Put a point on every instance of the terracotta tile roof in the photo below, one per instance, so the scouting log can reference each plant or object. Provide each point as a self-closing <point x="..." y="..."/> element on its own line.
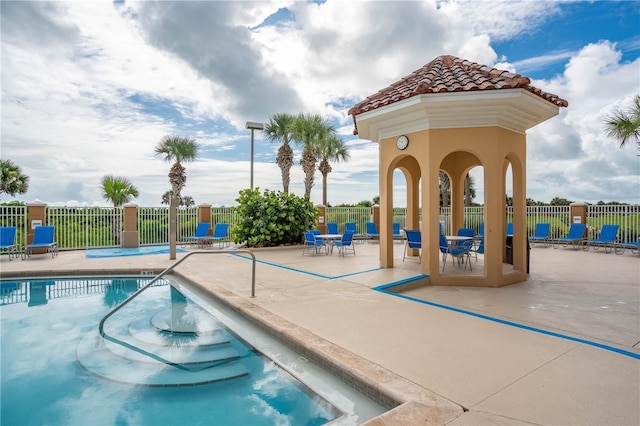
<point x="450" y="74"/>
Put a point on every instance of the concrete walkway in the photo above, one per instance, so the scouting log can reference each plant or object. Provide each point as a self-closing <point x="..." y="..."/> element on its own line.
<point x="561" y="348"/>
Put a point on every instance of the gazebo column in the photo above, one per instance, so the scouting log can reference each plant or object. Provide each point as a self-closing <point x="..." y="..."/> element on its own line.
<point x="494" y="220"/>
<point x="386" y="215"/>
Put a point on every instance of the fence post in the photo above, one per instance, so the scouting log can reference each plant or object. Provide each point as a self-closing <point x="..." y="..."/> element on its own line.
<point x="322" y="219"/>
<point x="130" y="237"/>
<point x="204" y="215"/>
<point x="37" y="214"/>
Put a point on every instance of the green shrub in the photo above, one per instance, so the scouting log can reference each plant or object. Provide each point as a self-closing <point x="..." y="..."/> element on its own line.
<point x="272" y="219"/>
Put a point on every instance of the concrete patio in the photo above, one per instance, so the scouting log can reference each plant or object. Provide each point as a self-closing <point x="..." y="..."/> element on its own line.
<point x="560" y="348"/>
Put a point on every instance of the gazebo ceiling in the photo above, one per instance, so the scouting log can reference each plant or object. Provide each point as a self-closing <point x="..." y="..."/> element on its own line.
<point x="450" y="92"/>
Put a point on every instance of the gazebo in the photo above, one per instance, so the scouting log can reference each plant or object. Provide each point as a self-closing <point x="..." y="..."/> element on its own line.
<point x="453" y="115"/>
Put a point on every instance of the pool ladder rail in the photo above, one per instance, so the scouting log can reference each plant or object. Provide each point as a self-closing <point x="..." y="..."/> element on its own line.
<point x="223" y="359"/>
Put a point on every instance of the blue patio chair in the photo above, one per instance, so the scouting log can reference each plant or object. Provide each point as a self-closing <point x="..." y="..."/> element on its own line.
<point x="457" y="252"/>
<point x="606" y="238"/>
<point x="311" y="243"/>
<point x="413" y="241"/>
<point x="397" y="235"/>
<point x="480" y="240"/>
<point x="345" y="243"/>
<point x="42" y="239"/>
<point x="332" y="228"/>
<point x="202" y="231"/>
<point x="372" y="230"/>
<point x="574" y="237"/>
<point x="8" y="241"/>
<point x="542" y="234"/>
<point x="219" y="234"/>
<point x="468" y="232"/>
<point x="510" y="228"/>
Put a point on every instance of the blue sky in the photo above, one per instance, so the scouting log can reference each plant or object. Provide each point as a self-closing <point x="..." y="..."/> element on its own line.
<point x="89" y="88"/>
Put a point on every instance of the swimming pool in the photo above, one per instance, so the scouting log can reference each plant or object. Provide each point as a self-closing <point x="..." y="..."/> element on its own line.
<point x="53" y="369"/>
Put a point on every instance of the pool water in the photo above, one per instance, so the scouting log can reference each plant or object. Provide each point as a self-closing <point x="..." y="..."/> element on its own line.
<point x="98" y="253"/>
<point x="57" y="371"/>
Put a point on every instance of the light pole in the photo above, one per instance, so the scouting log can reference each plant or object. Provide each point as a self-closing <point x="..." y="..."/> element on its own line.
<point x="253" y="126"/>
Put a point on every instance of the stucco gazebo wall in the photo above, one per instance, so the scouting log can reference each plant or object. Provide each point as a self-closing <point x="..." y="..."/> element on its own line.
<point x="456" y="151"/>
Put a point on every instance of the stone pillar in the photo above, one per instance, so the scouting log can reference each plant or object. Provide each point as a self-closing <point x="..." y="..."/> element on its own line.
<point x="37" y="214"/>
<point x="204" y="215"/>
<point x="375" y="216"/>
<point x="322" y="219"/>
<point x="130" y="236"/>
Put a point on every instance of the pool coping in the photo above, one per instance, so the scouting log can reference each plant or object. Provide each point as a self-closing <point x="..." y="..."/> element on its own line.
<point x="406" y="401"/>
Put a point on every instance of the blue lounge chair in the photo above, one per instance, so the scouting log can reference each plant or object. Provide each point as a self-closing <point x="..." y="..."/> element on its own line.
<point x="372" y="230"/>
<point x="202" y="231"/>
<point x="42" y="239"/>
<point x="219" y="234"/>
<point x="8" y="241"/>
<point x="332" y="228"/>
<point x="345" y="243"/>
<point x="634" y="246"/>
<point x="574" y="237"/>
<point x="413" y="241"/>
<point x="542" y="234"/>
<point x="397" y="235"/>
<point x="311" y="243"/>
<point x="509" y="228"/>
<point x="607" y="238"/>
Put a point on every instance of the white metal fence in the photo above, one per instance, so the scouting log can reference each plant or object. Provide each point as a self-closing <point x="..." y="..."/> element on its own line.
<point x="82" y="227"/>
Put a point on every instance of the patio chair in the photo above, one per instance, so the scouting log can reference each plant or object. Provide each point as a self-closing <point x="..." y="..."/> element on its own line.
<point x="311" y="243"/>
<point x="457" y="251"/>
<point x="372" y="231"/>
<point x="202" y="231"/>
<point x="468" y="232"/>
<point x="510" y="228"/>
<point x="574" y="237"/>
<point x="413" y="241"/>
<point x="8" y="241"/>
<point x="345" y="243"/>
<point x="542" y="234"/>
<point x="42" y="239"/>
<point x="332" y="228"/>
<point x="397" y="235"/>
<point x="606" y="238"/>
<point x="219" y="234"/>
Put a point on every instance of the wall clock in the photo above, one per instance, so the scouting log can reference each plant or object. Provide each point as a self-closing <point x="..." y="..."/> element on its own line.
<point x="402" y="142"/>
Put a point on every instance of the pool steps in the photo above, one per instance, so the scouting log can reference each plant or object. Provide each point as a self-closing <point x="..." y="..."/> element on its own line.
<point x="178" y="345"/>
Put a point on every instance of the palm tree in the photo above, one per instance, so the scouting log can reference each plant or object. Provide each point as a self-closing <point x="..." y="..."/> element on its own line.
<point x="330" y="149"/>
<point x="307" y="130"/>
<point x="625" y="125"/>
<point x="12" y="181"/>
<point x="119" y="190"/>
<point x="186" y="201"/>
<point x="180" y="149"/>
<point x="278" y="130"/>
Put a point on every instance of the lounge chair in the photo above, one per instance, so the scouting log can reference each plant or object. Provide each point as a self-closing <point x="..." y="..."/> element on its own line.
<point x="345" y="243"/>
<point x="8" y="241"/>
<point x="574" y="237"/>
<point x="634" y="246"/>
<point x="311" y="243"/>
<point x="202" y="231"/>
<point x="606" y="238"/>
<point x="372" y="231"/>
<point x="397" y="235"/>
<point x="351" y="226"/>
<point x="509" y="228"/>
<point x="413" y="241"/>
<point x="42" y="239"/>
<point x="332" y="228"/>
<point x="457" y="251"/>
<point x="219" y="234"/>
<point x="542" y="234"/>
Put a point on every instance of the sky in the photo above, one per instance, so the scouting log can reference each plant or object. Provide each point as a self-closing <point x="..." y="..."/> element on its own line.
<point x="89" y="88"/>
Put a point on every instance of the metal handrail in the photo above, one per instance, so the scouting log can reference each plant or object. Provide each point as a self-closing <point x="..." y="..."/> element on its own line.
<point x="171" y="268"/>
